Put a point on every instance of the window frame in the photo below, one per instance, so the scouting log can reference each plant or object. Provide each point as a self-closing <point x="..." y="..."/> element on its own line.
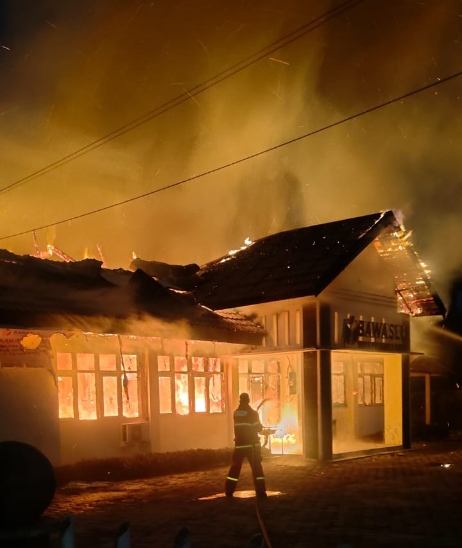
<point x="263" y="371"/>
<point x="99" y="374"/>
<point x="373" y="378"/>
<point x="208" y="373"/>
<point x="338" y="380"/>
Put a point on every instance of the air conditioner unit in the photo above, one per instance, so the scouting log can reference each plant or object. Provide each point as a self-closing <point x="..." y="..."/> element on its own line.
<point x="135" y="431"/>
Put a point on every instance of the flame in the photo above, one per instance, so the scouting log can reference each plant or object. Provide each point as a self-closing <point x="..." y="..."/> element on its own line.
<point x="181" y="394"/>
<point x="286" y="438"/>
<point x="247" y="243"/>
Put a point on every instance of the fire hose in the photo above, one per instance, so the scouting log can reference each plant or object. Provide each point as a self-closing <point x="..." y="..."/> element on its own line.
<point x="264" y="532"/>
<point x="264" y="400"/>
<point x="266" y="543"/>
<point x="266" y="540"/>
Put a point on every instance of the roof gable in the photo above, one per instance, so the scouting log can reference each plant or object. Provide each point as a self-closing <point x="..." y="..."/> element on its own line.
<point x="290" y="264"/>
<point x="303" y="262"/>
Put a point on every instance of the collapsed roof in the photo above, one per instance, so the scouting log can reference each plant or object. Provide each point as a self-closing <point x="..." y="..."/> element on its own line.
<point x="303" y="262"/>
<point x="81" y="295"/>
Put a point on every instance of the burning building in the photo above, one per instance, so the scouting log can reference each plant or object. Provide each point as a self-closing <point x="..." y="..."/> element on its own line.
<point x="98" y="363"/>
<point x="314" y="323"/>
<point x="336" y="300"/>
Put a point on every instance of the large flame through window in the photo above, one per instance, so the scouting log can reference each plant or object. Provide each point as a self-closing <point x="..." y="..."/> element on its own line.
<point x="189" y="385"/>
<point x="272" y="387"/>
<point x="92" y="386"/>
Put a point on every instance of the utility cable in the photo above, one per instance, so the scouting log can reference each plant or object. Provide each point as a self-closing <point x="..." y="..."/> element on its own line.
<point x="245" y="158"/>
<point x="189" y="94"/>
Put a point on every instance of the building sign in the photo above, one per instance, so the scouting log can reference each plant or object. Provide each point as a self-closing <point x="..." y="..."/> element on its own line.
<point x="370" y="334"/>
<point x="22" y="348"/>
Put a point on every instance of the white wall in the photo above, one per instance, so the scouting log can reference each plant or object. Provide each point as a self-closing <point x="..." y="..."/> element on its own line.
<point x="195" y="431"/>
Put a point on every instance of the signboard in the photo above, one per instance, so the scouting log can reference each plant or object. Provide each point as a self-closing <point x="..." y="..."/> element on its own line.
<point x="359" y="333"/>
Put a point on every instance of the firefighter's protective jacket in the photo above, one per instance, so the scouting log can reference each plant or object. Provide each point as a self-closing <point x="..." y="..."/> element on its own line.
<point x="246" y="426"/>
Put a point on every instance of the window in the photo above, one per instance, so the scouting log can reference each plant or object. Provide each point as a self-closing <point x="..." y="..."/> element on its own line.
<point x="262" y="380"/>
<point x="181" y="386"/>
<point x="338" y="384"/>
<point x="92" y="386"/>
<point x="194" y="385"/>
<point x="65" y="386"/>
<point x="370" y="383"/>
<point x="86" y="386"/>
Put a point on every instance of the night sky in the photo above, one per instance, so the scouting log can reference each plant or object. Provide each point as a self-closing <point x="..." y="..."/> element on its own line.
<point x="74" y="72"/>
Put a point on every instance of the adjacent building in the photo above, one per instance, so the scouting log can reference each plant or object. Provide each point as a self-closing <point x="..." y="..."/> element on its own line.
<point x="97" y="363"/>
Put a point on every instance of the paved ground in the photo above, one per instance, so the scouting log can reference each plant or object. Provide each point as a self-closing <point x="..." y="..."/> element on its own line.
<point x="403" y="499"/>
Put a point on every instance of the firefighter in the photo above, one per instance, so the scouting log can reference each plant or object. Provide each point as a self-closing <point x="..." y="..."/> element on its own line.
<point x="246" y="445"/>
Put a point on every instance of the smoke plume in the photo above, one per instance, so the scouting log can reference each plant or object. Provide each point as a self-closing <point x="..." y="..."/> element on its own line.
<point x="73" y="72"/>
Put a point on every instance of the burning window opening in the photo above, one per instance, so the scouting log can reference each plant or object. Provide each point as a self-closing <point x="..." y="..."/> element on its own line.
<point x="286" y="439"/>
<point x="275" y="400"/>
<point x="91" y="386"/>
<point x="177" y="374"/>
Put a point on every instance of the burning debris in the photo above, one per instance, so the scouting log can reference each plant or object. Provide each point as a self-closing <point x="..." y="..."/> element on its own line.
<point x="412" y="276"/>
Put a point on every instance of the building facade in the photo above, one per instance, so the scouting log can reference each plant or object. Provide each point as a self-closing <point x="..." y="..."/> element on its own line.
<point x="332" y="376"/>
<point x="314" y="323"/>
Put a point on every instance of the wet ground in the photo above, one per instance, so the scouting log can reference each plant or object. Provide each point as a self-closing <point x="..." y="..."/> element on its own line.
<point x="403" y="499"/>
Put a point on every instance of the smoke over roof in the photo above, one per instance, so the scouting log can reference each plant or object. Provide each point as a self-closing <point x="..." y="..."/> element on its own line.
<point x="81" y="296"/>
<point x="72" y="74"/>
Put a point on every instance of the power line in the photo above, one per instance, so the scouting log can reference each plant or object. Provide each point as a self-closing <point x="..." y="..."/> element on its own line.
<point x="242" y="160"/>
<point x="189" y="94"/>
